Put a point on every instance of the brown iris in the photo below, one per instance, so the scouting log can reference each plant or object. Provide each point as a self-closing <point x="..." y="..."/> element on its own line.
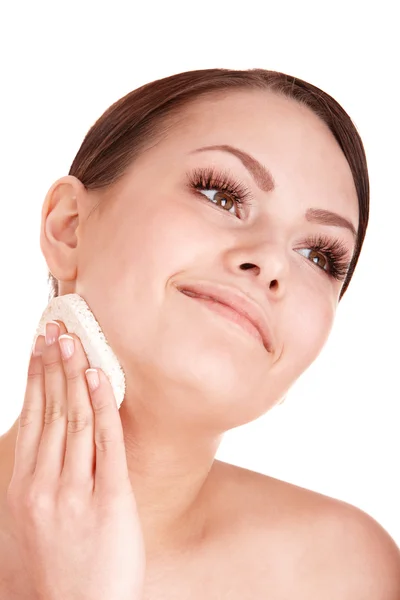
<point x="315" y="254"/>
<point x="223" y="200"/>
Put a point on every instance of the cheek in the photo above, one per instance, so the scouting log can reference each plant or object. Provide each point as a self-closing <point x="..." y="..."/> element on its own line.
<point x="154" y="240"/>
<point x="160" y="242"/>
<point x="129" y="262"/>
<point x="309" y="330"/>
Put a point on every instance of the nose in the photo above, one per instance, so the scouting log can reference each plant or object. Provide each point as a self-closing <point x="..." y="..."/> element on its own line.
<point x="267" y="263"/>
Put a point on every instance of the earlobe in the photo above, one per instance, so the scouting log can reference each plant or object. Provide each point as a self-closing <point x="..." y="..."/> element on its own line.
<point x="60" y="220"/>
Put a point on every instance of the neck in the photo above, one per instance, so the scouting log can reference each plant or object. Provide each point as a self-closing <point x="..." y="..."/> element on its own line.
<point x="172" y="477"/>
<point x="172" y="472"/>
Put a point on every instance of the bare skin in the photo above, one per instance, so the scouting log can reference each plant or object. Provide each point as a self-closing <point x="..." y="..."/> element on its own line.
<point x="213" y="530"/>
<point x="266" y="539"/>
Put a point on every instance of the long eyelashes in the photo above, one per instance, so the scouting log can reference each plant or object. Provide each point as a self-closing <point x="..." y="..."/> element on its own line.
<point x="210" y="178"/>
<point x="333" y="251"/>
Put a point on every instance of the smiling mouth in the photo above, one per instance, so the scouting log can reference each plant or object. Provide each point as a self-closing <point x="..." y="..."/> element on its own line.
<point x="227" y="312"/>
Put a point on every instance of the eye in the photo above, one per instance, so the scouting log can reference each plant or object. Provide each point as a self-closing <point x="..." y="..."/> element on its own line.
<point x="221" y="188"/>
<point x="317" y="258"/>
<point x="329" y="255"/>
<point x="222" y="199"/>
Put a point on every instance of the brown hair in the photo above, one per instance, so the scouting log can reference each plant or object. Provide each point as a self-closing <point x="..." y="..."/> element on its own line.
<point x="132" y="123"/>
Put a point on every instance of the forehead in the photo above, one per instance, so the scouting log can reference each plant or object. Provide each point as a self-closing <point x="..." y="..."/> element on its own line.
<point x="288" y="138"/>
<point x="295" y="145"/>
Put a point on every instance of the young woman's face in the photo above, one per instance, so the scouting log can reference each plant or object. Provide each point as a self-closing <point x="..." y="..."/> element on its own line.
<point x="156" y="233"/>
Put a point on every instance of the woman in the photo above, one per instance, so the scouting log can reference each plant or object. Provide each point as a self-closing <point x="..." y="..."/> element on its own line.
<point x="251" y="188"/>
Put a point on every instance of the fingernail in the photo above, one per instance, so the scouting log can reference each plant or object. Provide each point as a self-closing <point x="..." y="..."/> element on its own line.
<point x="52" y="332"/>
<point x="67" y="346"/>
<point x="92" y="378"/>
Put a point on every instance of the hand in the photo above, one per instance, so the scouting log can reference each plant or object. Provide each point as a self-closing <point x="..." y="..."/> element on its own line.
<point x="70" y="495"/>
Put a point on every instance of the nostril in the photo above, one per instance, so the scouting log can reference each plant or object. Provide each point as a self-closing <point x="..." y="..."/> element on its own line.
<point x="273" y="284"/>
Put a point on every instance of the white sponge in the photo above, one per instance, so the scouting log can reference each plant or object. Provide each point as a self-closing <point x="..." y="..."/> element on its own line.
<point x="73" y="311"/>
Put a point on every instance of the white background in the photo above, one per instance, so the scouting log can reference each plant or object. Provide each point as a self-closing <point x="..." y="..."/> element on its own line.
<point x="63" y="64"/>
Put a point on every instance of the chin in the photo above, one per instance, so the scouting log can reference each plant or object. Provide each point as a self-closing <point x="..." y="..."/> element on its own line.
<point x="214" y="380"/>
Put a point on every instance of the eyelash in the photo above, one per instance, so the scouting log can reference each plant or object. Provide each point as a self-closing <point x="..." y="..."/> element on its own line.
<point x="209" y="179"/>
<point x="221" y="181"/>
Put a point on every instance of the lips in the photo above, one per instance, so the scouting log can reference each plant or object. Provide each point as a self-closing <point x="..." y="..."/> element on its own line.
<point x="235" y="300"/>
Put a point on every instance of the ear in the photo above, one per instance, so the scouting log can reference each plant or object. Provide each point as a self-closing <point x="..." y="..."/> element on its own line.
<point x="60" y="221"/>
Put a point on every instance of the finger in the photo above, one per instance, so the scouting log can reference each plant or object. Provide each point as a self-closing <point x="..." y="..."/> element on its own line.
<point x="31" y="418"/>
<point x="51" y="452"/>
<point x="80" y="455"/>
<point x="111" y="473"/>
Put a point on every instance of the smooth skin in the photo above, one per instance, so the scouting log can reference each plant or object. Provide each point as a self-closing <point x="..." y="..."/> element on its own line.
<point x="191" y="375"/>
<point x="70" y="495"/>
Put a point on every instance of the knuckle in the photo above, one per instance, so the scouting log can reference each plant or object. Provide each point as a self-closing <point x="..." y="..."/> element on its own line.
<point x="72" y="375"/>
<point x="52" y="366"/>
<point x="53" y="412"/>
<point x="77" y="421"/>
<point x="28" y="415"/>
<point x="38" y="501"/>
<point x="102" y="404"/>
<point x="72" y="504"/>
<point x="104" y="439"/>
<point x="34" y="373"/>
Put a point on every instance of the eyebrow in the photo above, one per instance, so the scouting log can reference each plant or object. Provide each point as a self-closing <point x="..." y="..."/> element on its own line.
<point x="261" y="175"/>
<point x="326" y="217"/>
<point x="266" y="183"/>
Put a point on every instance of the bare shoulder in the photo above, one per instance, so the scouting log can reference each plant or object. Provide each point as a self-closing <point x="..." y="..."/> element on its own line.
<point x="324" y="543"/>
<point x="361" y="550"/>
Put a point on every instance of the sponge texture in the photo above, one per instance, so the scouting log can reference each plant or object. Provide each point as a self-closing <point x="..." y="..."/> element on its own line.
<point x="73" y="311"/>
